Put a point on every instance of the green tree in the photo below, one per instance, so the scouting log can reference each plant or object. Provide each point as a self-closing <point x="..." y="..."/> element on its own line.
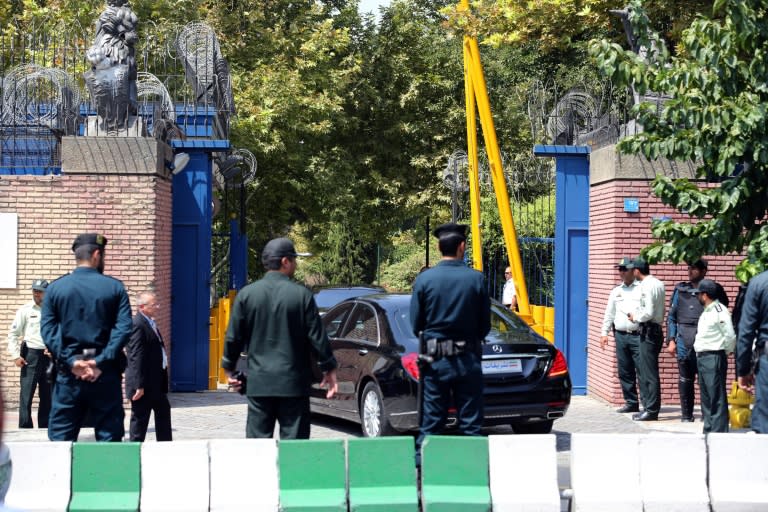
<point x="716" y="118"/>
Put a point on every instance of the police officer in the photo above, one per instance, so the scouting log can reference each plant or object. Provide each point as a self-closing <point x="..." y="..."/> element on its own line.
<point x="684" y="311"/>
<point x="28" y="352"/>
<point x="450" y="307"/>
<point x="276" y="320"/>
<point x="624" y="299"/>
<point x="715" y="339"/>
<point x="649" y="315"/>
<point x="86" y="322"/>
<point x="751" y="349"/>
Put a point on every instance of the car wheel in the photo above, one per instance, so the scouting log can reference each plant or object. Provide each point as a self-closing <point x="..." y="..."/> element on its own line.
<point x="373" y="417"/>
<point x="538" y="427"/>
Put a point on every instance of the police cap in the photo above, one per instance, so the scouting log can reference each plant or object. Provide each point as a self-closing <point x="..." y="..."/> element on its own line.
<point x="39" y="285"/>
<point x="89" y="239"/>
<point x="707" y="286"/>
<point x="278" y="248"/>
<point x="624" y="262"/>
<point x="638" y="262"/>
<point x="451" y="229"/>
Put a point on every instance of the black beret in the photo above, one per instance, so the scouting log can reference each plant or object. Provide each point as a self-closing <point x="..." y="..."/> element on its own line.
<point x="451" y="229"/>
<point x="89" y="239"/>
<point x="278" y="248"/>
<point x="700" y="264"/>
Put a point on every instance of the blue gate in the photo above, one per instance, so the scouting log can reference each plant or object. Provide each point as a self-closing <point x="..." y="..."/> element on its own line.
<point x="571" y="256"/>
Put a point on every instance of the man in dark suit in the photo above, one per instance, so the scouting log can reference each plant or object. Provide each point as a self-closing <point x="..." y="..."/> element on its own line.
<point x="146" y="377"/>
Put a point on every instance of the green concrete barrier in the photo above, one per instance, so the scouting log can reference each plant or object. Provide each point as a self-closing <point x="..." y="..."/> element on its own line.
<point x="382" y="475"/>
<point x="105" y="477"/>
<point x="313" y="476"/>
<point x="454" y="474"/>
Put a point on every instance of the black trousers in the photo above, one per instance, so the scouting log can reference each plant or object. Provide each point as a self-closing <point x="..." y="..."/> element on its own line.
<point x="650" y="386"/>
<point x="628" y="361"/>
<point x="713" y="369"/>
<point x="33" y="376"/>
<point x="140" y="411"/>
<point x="292" y="412"/>
<point x="75" y="399"/>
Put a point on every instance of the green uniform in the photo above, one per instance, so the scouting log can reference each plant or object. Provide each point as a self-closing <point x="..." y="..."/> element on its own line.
<point x="276" y="321"/>
<point x="715" y="339"/>
<point x="650" y="315"/>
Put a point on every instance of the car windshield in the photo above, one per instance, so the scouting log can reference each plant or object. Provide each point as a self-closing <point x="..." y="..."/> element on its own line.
<point x="506" y="327"/>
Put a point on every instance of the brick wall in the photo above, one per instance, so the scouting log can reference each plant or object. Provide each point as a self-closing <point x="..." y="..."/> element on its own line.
<point x="614" y="233"/>
<point x="133" y="212"/>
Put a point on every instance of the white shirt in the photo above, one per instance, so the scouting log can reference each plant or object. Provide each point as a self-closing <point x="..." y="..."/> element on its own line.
<point x="715" y="329"/>
<point x="26" y="327"/>
<point x="509" y="292"/>
<point x="652" y="303"/>
<point x="622" y="300"/>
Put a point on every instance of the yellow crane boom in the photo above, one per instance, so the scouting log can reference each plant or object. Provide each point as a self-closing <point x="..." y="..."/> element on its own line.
<point x="476" y="95"/>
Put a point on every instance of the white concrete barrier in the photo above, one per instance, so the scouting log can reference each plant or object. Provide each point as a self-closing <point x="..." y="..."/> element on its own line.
<point x="42" y="474"/>
<point x="174" y="476"/>
<point x="523" y="473"/>
<point x="244" y="475"/>
<point x="605" y="472"/>
<point x="673" y="473"/>
<point x="738" y="472"/>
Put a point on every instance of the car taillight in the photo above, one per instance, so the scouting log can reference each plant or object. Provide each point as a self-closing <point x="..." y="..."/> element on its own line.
<point x="410" y="364"/>
<point x="559" y="366"/>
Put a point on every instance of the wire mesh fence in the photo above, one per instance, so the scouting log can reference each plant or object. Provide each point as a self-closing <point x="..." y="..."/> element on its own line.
<point x="182" y="77"/>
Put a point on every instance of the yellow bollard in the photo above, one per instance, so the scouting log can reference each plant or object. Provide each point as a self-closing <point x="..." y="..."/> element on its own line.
<point x="549" y="324"/>
<point x="739" y="412"/>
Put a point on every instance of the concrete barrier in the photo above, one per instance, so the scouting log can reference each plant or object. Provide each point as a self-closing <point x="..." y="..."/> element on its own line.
<point x="174" y="477"/>
<point x="454" y="474"/>
<point x="652" y="472"/>
<point x="382" y="475"/>
<point x="523" y="473"/>
<point x="243" y="475"/>
<point x="673" y="473"/>
<point x="605" y="472"/>
<point x="42" y="473"/>
<point x="738" y="472"/>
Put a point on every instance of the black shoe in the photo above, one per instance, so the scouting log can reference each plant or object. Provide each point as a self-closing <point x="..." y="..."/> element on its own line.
<point x="645" y="416"/>
<point x="688" y="419"/>
<point x="628" y="408"/>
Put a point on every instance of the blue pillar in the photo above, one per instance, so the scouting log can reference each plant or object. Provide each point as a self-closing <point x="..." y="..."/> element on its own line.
<point x="571" y="256"/>
<point x="238" y="256"/>
<point x="191" y="265"/>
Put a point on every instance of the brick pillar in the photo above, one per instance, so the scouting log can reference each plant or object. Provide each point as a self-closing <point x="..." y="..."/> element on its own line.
<point x="114" y="186"/>
<point x="614" y="233"/>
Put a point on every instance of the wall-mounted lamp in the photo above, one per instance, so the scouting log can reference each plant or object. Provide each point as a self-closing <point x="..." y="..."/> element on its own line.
<point x="180" y="161"/>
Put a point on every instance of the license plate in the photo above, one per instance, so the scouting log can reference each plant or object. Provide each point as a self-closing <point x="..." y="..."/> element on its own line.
<point x="502" y="366"/>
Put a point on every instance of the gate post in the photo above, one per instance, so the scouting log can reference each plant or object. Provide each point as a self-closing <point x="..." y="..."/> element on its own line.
<point x="571" y="256"/>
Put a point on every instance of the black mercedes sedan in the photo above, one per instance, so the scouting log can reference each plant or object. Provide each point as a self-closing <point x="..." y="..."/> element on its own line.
<point x="527" y="384"/>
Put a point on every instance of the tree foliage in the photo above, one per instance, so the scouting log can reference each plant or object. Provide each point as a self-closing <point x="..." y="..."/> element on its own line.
<point x="558" y="25"/>
<point x="716" y="118"/>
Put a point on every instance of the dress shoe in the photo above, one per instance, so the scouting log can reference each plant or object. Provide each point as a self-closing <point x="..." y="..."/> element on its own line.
<point x="688" y="419"/>
<point x="628" y="408"/>
<point x="645" y="416"/>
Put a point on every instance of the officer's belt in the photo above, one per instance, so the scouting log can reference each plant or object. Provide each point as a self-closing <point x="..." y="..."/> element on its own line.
<point x="628" y="333"/>
<point x="710" y="353"/>
<point x="445" y="347"/>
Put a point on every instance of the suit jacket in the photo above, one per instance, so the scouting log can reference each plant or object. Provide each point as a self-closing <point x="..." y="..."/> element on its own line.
<point x="145" y="360"/>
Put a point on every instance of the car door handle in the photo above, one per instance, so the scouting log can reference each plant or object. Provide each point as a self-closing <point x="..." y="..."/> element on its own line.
<point x="362" y="351"/>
